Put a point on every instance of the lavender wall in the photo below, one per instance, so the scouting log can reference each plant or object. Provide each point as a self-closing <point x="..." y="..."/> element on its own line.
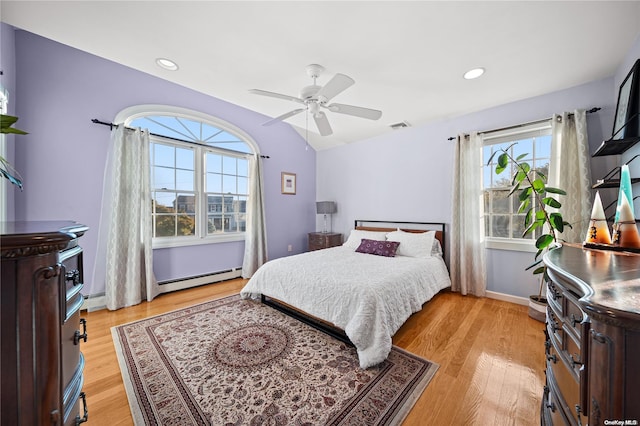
<point x="8" y="83"/>
<point x="406" y="174"/>
<point x="62" y="159"/>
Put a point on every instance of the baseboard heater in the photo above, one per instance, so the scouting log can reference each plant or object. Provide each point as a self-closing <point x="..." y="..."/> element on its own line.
<point x="213" y="277"/>
<point x="98" y="301"/>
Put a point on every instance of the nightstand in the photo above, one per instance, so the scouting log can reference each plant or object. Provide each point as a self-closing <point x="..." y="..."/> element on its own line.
<point x="323" y="240"/>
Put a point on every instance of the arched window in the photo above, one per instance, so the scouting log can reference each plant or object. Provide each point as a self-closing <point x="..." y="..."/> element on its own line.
<point x="199" y="175"/>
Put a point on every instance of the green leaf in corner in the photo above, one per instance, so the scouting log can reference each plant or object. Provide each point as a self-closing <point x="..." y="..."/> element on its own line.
<point x="543" y="241"/>
<point x="6" y="121"/>
<point x="556" y="221"/>
<point x="551" y="202"/>
<point x="521" y="156"/>
<point x="503" y="162"/>
<point x="555" y="190"/>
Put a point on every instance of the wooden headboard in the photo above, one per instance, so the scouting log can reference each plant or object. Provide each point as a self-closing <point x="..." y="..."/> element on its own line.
<point x="417" y="227"/>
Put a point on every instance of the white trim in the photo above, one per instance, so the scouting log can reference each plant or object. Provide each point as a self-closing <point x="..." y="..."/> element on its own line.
<point x="528" y="246"/>
<point x="166" y="242"/>
<point x="518" y="300"/>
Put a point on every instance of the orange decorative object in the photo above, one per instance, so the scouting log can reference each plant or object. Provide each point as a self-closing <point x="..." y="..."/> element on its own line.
<point x="598" y="232"/>
<point x="625" y="232"/>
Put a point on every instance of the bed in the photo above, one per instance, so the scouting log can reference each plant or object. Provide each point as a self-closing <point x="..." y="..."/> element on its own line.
<point x="363" y="290"/>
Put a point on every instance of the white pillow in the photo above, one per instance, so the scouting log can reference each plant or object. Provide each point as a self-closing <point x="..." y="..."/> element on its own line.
<point x="413" y="244"/>
<point x="356" y="236"/>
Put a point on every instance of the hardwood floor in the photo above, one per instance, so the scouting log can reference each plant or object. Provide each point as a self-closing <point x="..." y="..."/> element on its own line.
<point x="491" y="357"/>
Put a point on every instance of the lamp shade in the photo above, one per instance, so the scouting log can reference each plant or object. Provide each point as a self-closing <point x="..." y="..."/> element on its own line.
<point x="325" y="207"/>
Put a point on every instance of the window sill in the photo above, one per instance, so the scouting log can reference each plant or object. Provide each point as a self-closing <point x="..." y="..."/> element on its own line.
<point x="512" y="245"/>
<point x="160" y="243"/>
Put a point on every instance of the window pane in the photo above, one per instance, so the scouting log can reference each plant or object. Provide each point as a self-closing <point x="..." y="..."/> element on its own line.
<point x="243" y="167"/>
<point x="184" y="159"/>
<point x="186" y="225"/>
<point x="163" y="178"/>
<point x="229" y="165"/>
<point x="165" y="226"/>
<point x="214" y="182"/>
<point x="186" y="203"/>
<point x="524" y="146"/>
<point x="500" y="226"/>
<point x="228" y="184"/>
<point x="164" y="202"/>
<point x="500" y="201"/>
<point x="184" y="180"/>
<point x="163" y="155"/>
<point x="214" y="163"/>
<point x="214" y="224"/>
<point x="243" y="185"/>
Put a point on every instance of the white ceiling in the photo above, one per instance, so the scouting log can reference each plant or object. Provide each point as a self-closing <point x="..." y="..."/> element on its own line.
<point x="407" y="58"/>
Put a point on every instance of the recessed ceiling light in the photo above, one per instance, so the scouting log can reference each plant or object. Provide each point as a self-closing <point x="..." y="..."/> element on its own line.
<point x="167" y="64"/>
<point x="474" y="73"/>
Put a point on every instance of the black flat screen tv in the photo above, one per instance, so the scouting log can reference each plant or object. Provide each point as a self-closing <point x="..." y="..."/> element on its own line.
<point x="626" y="123"/>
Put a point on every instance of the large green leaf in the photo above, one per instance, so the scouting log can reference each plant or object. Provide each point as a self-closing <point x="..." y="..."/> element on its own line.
<point x="555" y="190"/>
<point x="543" y="241"/>
<point x="503" y="162"/>
<point x="538" y="185"/>
<point x="556" y="221"/>
<point x="525" y="193"/>
<point x="6" y="121"/>
<point x="551" y="202"/>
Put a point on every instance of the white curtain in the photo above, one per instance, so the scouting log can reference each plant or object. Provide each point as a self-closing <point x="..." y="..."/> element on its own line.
<point x="570" y="170"/>
<point x="468" y="265"/>
<point x="124" y="259"/>
<point x="255" y="245"/>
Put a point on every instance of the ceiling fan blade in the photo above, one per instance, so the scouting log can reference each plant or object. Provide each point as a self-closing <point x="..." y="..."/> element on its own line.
<point x="371" y="114"/>
<point x="336" y="85"/>
<point x="276" y="95"/>
<point x="323" y="123"/>
<point x="283" y="116"/>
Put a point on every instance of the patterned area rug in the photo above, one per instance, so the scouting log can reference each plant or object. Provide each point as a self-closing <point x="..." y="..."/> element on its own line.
<point x="239" y="362"/>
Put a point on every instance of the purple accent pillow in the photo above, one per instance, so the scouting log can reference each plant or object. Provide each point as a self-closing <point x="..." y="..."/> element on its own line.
<point x="379" y="248"/>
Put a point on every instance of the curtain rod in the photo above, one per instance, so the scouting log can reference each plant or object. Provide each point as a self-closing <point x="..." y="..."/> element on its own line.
<point x="515" y="126"/>
<point x="112" y="125"/>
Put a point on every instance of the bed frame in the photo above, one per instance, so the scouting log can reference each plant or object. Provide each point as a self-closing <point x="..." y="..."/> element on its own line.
<point x="365" y="225"/>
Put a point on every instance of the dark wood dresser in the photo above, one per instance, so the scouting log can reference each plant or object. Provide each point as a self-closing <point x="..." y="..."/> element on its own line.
<point x="593" y="338"/>
<point x="41" y="366"/>
<point x="323" y="240"/>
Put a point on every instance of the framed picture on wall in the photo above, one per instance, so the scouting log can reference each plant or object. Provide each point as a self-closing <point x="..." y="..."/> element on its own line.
<point x="288" y="183"/>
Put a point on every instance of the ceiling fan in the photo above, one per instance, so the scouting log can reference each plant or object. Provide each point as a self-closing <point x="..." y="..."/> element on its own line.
<point x="314" y="97"/>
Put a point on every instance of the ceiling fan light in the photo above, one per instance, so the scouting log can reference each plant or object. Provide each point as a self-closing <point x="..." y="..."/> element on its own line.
<point x="167" y="64"/>
<point x="474" y="73"/>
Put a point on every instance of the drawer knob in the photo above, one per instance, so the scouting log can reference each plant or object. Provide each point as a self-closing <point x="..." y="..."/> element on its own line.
<point x="74" y="276"/>
<point x="575" y="361"/>
<point x="551" y="406"/>
<point x="77" y="336"/>
<point x="575" y="321"/>
<point x="552" y="358"/>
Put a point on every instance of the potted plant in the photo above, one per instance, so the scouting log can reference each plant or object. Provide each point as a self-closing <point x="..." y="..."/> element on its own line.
<point x="6" y="169"/>
<point x="540" y="206"/>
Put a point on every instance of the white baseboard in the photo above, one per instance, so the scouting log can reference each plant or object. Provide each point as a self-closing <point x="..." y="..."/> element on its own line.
<point x="97" y="302"/>
<point x="508" y="298"/>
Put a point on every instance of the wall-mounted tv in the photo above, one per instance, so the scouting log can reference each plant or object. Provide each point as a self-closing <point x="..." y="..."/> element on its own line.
<point x="626" y="123"/>
<point x="627" y="118"/>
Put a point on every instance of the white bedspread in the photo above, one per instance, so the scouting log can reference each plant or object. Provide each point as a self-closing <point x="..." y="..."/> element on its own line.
<point x="367" y="296"/>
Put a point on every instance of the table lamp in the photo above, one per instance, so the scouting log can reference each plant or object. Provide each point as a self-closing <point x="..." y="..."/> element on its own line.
<point x="325" y="208"/>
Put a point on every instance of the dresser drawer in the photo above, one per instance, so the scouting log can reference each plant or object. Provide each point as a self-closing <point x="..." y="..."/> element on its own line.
<point x="573" y="315"/>
<point x="566" y="382"/>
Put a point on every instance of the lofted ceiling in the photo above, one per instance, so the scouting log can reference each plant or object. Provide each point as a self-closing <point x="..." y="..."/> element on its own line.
<point x="407" y="58"/>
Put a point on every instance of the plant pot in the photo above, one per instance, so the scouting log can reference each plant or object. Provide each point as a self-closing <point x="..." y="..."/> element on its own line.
<point x="538" y="307"/>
